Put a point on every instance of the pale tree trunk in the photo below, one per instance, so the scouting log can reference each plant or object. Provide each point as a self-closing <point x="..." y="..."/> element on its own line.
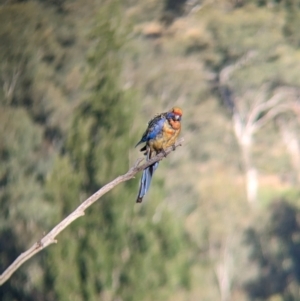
<point x="250" y="170"/>
<point x="223" y="269"/>
<point x="244" y="136"/>
<point x="252" y="185"/>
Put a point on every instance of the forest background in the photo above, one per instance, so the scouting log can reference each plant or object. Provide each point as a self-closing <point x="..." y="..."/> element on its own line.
<point x="79" y="79"/>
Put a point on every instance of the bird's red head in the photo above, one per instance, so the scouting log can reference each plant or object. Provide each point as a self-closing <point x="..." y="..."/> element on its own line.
<point x="177" y="112"/>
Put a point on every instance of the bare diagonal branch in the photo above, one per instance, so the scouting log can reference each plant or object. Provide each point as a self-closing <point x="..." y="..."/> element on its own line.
<point x="49" y="238"/>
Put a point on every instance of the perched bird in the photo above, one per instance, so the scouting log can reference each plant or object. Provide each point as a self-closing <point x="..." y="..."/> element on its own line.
<point x="161" y="133"/>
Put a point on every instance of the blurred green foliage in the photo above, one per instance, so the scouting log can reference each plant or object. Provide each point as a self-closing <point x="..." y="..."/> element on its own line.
<point x="274" y="246"/>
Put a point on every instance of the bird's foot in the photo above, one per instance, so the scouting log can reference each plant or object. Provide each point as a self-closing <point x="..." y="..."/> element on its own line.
<point x="164" y="153"/>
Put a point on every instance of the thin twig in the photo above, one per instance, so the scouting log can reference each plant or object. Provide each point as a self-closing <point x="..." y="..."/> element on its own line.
<point x="49" y="238"/>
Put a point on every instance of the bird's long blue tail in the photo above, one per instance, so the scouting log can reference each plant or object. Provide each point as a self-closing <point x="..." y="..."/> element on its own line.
<point x="146" y="181"/>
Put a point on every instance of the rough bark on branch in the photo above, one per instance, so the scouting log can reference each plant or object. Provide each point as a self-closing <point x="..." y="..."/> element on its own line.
<point x="49" y="238"/>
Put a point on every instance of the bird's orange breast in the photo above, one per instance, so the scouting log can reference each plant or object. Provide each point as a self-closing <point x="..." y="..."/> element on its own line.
<point x="176" y="125"/>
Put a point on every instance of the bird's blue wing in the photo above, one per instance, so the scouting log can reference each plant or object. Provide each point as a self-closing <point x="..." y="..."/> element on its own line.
<point x="154" y="128"/>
